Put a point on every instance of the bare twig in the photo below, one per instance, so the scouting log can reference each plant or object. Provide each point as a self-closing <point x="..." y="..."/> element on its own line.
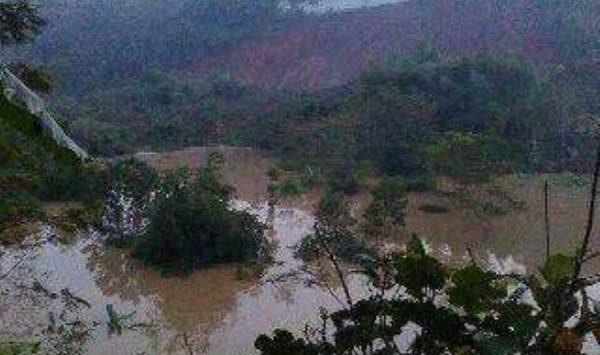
<point x="321" y="279"/>
<point x="581" y="253"/>
<point x="70" y="297"/>
<point x="340" y="274"/>
<point x="546" y="220"/>
<point x="13" y="268"/>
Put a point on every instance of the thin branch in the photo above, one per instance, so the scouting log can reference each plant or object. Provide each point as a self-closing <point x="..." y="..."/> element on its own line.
<point x="322" y="279"/>
<point x="581" y="253"/>
<point x="12" y="268"/>
<point x="340" y="274"/>
<point x="546" y="220"/>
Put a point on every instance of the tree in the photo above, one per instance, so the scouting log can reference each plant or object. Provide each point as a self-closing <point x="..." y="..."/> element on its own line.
<point x="468" y="310"/>
<point x="128" y="186"/>
<point x="385" y="215"/>
<point x="190" y="224"/>
<point x="334" y="240"/>
<point x="461" y="156"/>
<point x="19" y="22"/>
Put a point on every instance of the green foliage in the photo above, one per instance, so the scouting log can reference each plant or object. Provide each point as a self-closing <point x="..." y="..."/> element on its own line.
<point x="78" y="182"/>
<point x="488" y="200"/>
<point x="334" y="233"/>
<point x="14" y="348"/>
<point x="451" y="117"/>
<point x="33" y="168"/>
<point x="433" y="208"/>
<point x="132" y="176"/>
<point x="284" y="343"/>
<point x="421" y="183"/>
<point x="17" y="206"/>
<point x="288" y="188"/>
<point x="191" y="225"/>
<point x="462" y="311"/>
<point x="386" y="213"/>
<point x="347" y="246"/>
<point x="474" y="289"/>
<point x="128" y="188"/>
<point x="420" y="273"/>
<point x="19" y="22"/>
<point x="558" y="268"/>
<point x="462" y="156"/>
<point x="37" y="79"/>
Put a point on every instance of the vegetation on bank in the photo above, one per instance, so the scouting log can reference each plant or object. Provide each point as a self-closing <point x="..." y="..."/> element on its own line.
<point x="173" y="222"/>
<point x="181" y="221"/>
<point x="34" y="169"/>
<point x="428" y="115"/>
<point x="418" y="305"/>
<point x="12" y="348"/>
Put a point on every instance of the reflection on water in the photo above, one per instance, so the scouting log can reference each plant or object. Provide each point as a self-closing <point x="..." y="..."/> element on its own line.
<point x="210" y="311"/>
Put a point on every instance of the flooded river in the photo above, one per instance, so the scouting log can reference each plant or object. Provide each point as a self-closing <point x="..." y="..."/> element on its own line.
<point x="211" y="311"/>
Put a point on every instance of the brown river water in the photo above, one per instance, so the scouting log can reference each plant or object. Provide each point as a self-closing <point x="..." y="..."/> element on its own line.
<point x="211" y="311"/>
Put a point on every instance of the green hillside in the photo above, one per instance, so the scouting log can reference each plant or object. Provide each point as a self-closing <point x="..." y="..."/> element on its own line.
<point x="33" y="168"/>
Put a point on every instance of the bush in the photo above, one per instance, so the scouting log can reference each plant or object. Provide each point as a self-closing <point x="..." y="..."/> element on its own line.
<point x="345" y="181"/>
<point x="17" y="206"/>
<point x="347" y="246"/>
<point x="289" y="188"/>
<point x="418" y="184"/>
<point x="333" y="233"/>
<point x="432" y="208"/>
<point x="19" y="348"/>
<point x="493" y="201"/>
<point x="190" y="225"/>
<point x="72" y="183"/>
<point x="481" y="313"/>
<point x="186" y="232"/>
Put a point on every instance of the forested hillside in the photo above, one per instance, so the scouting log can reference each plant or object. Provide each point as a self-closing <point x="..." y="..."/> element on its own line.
<point x="186" y="73"/>
<point x="34" y="168"/>
<point x="416" y="177"/>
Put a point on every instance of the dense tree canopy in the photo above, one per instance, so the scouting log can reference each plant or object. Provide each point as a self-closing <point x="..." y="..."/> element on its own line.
<point x="19" y="21"/>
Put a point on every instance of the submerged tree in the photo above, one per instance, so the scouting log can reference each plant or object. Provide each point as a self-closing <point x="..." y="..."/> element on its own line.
<point x="190" y="223"/>
<point x="469" y="310"/>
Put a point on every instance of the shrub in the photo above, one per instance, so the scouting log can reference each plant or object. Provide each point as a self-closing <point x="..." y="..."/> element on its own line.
<point x="333" y="233"/>
<point x="17" y="206"/>
<point x="75" y="183"/>
<point x="19" y="348"/>
<point x="418" y="184"/>
<point x="350" y="248"/>
<point x="432" y="208"/>
<point x="289" y="188"/>
<point x="493" y="201"/>
<point x="481" y="313"/>
<point x="190" y="225"/>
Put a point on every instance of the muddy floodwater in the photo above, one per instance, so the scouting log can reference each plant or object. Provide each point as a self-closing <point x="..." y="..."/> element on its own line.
<point x="215" y="311"/>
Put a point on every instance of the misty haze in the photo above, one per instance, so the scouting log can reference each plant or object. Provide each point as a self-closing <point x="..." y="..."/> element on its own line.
<point x="299" y="177"/>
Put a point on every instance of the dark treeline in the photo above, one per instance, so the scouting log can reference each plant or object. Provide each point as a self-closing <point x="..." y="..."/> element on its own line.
<point x="99" y="44"/>
<point x="411" y="116"/>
